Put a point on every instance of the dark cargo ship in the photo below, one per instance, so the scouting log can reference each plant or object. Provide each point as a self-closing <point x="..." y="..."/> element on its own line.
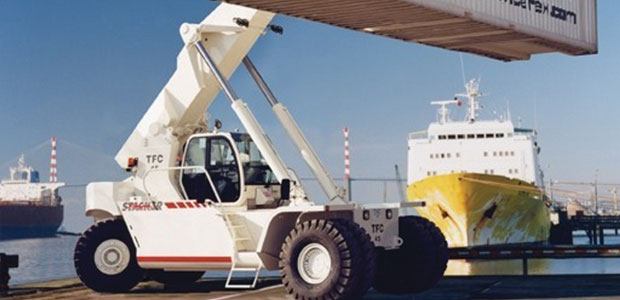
<point x="28" y="207"/>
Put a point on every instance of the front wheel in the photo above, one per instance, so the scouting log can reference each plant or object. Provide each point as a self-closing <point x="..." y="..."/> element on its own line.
<point x="105" y="258"/>
<point x="323" y="259"/>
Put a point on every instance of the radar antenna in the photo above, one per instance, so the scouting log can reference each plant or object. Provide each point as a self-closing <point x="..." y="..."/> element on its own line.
<point x="443" y="113"/>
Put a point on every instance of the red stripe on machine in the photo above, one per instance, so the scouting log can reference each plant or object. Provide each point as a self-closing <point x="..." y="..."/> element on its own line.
<point x="185" y="204"/>
<point x="187" y="259"/>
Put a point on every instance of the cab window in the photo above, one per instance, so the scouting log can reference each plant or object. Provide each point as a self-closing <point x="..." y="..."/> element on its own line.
<point x="255" y="169"/>
<point x="217" y="157"/>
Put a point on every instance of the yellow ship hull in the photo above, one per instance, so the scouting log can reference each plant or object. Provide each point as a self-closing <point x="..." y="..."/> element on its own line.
<point x="477" y="209"/>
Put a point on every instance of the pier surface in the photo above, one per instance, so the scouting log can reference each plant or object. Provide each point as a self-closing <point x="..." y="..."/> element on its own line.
<point x="453" y="287"/>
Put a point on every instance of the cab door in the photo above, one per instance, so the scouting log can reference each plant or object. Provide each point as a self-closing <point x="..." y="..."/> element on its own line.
<point x="217" y="155"/>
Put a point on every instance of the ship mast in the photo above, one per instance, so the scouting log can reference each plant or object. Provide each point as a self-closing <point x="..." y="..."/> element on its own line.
<point x="21" y="162"/>
<point x="472" y="93"/>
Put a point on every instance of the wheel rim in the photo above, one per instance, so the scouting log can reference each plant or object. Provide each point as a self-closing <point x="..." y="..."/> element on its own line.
<point x="112" y="257"/>
<point x="314" y="263"/>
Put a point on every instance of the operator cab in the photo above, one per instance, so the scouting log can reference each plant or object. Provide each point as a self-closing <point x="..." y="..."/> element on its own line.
<point x="236" y="171"/>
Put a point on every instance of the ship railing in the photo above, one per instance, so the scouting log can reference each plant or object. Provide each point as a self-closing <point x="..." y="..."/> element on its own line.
<point x="526" y="252"/>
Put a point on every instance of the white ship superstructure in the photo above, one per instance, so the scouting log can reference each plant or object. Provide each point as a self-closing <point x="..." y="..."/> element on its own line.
<point x="24" y="185"/>
<point x="492" y="147"/>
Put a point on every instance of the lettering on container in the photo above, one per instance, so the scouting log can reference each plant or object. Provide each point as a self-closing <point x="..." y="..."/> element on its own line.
<point x="544" y="8"/>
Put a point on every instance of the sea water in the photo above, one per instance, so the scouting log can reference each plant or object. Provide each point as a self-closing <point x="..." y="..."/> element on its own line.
<point x="41" y="259"/>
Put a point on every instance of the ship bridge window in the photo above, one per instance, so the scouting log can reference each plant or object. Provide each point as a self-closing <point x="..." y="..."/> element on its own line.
<point x="499" y="135"/>
<point x="34" y="176"/>
<point x="451" y="136"/>
<point x="471" y="136"/>
<point x="479" y="136"/>
<point x="460" y="136"/>
<point x="486" y="154"/>
<point x="489" y="135"/>
<point x="442" y="137"/>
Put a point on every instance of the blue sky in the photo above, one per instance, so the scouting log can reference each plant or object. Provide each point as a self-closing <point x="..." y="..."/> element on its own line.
<point x="87" y="70"/>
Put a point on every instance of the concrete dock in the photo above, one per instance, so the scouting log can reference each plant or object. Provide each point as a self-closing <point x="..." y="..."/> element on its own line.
<point x="453" y="287"/>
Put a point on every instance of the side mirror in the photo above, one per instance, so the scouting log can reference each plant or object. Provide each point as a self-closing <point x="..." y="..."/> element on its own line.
<point x="285" y="189"/>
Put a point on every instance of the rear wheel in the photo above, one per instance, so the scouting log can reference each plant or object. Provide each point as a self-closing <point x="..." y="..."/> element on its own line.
<point x="105" y="258"/>
<point x="322" y="259"/>
<point x="418" y="264"/>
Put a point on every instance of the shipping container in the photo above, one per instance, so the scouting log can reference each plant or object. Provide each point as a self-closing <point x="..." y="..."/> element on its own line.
<point x="502" y="29"/>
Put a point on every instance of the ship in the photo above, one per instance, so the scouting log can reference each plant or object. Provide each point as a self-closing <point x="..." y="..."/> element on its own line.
<point x="480" y="179"/>
<point x="29" y="207"/>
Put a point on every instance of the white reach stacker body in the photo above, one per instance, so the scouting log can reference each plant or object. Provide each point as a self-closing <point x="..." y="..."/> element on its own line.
<point x="200" y="199"/>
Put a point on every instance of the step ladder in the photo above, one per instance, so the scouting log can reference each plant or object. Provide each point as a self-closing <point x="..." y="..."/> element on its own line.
<point x="242" y="242"/>
<point x="242" y="239"/>
<point x="230" y="285"/>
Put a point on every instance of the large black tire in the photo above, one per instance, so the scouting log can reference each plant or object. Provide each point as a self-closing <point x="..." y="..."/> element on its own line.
<point x="174" y="277"/>
<point x="345" y="254"/>
<point x="114" y="268"/>
<point x="369" y="260"/>
<point x="418" y="264"/>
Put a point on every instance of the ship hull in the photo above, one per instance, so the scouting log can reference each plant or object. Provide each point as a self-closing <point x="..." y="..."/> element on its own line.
<point x="24" y="221"/>
<point x="477" y="209"/>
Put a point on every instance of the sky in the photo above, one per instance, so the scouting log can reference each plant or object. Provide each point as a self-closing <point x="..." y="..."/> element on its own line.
<point x="86" y="71"/>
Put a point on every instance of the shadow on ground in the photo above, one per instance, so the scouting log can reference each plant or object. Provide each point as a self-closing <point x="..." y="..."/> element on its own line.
<point x="203" y="286"/>
<point x="479" y="287"/>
